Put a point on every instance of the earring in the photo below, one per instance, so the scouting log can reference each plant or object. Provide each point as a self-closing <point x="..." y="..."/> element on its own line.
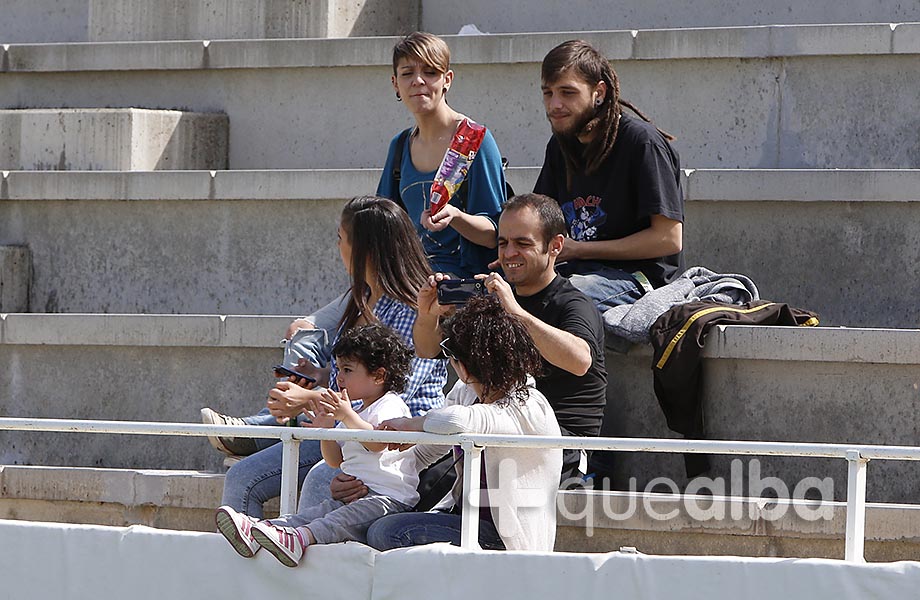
<point x="398" y="97"/>
<point x="598" y="102"/>
<point x="445" y="89"/>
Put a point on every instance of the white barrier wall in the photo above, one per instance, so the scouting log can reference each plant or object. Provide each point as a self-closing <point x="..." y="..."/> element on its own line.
<point x="94" y="563"/>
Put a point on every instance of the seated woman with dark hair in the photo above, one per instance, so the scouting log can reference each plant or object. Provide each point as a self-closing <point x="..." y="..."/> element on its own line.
<point x="495" y="357"/>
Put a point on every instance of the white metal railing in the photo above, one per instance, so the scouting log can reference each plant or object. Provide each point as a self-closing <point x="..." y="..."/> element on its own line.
<point x="856" y="455"/>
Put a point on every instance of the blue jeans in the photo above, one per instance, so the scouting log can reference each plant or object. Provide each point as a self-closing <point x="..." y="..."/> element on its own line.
<point x="607" y="286"/>
<point x="257" y="478"/>
<point x="315" y="488"/>
<point x="414" y="529"/>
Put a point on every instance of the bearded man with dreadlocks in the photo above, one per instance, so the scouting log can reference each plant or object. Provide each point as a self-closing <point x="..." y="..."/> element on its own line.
<point x="615" y="176"/>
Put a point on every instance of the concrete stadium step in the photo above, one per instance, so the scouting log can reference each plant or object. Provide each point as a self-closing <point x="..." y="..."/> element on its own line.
<point x="117" y="497"/>
<point x="111" y="139"/>
<point x="832" y="385"/>
<point x="586" y="521"/>
<point x="28" y="21"/>
<point x="263" y="242"/>
<point x="444" y="16"/>
<point x="34" y="21"/>
<point x="753" y="97"/>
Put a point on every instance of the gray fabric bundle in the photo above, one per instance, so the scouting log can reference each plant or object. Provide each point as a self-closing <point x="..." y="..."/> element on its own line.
<point x="633" y="321"/>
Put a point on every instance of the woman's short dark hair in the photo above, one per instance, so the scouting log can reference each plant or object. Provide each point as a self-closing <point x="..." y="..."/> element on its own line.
<point x="494" y="347"/>
<point x="376" y="346"/>
<point x="426" y="48"/>
<point x="384" y="241"/>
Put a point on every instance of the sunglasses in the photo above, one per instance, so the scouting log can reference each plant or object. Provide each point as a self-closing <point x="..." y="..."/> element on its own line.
<point x="447" y="351"/>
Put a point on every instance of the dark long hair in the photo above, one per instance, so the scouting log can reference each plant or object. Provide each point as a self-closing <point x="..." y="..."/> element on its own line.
<point x="494" y="346"/>
<point x="581" y="59"/>
<point x="384" y="242"/>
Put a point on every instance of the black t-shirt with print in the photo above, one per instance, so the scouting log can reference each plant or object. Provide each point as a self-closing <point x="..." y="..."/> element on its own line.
<point x="578" y="401"/>
<point x="640" y="178"/>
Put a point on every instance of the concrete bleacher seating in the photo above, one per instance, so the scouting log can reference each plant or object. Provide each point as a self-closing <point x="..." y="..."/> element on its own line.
<point x="761" y="383"/>
<point x="764" y="115"/>
<point x="33" y="21"/>
<point x="751" y="97"/>
<point x="230" y="242"/>
<point x="119" y="139"/>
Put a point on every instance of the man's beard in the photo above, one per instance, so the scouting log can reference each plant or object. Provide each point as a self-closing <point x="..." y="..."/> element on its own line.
<point x="571" y="133"/>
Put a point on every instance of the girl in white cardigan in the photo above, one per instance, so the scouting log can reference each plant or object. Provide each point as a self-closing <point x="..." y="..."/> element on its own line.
<point x="494" y="356"/>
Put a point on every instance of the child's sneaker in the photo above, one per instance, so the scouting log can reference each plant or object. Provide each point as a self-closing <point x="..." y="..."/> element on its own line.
<point x="283" y="542"/>
<point x="237" y="528"/>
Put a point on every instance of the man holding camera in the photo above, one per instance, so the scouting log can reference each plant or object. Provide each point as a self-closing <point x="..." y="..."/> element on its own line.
<point x="564" y="323"/>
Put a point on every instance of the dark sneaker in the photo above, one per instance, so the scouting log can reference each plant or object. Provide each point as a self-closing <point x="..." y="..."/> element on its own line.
<point x="230" y="446"/>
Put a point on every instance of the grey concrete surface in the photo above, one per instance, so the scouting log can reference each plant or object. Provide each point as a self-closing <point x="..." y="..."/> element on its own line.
<point x="782" y="384"/>
<point x="229" y="242"/>
<point x="163" y="256"/>
<point x="133" y="383"/>
<point x="591" y="521"/>
<point x="134" y="20"/>
<point x="36" y="21"/>
<point x="443" y="16"/>
<point x="15" y="278"/>
<point x="40" y="21"/>
<point x="111" y="139"/>
<point x="854" y="385"/>
<point x="757" y="97"/>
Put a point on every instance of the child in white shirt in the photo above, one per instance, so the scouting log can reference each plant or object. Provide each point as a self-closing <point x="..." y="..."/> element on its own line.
<point x="373" y="365"/>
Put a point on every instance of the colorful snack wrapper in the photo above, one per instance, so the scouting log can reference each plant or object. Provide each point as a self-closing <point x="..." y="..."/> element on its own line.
<point x="456" y="163"/>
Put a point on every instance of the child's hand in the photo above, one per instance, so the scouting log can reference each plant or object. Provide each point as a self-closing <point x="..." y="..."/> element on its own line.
<point x="319" y="417"/>
<point x="336" y="403"/>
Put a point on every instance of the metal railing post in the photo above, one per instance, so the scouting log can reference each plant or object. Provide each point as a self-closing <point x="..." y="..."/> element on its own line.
<point x="290" y="464"/>
<point x="469" y="517"/>
<point x="856" y="507"/>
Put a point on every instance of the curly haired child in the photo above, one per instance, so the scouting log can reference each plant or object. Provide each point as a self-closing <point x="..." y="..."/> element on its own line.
<point x="373" y="366"/>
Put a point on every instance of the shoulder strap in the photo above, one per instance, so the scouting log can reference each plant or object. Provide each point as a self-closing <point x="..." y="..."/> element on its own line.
<point x="401" y="144"/>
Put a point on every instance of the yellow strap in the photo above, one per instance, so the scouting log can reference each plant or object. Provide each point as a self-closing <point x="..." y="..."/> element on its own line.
<point x="702" y="313"/>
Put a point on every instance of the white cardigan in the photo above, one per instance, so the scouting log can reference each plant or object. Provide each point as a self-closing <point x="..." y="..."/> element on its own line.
<point x="523" y="481"/>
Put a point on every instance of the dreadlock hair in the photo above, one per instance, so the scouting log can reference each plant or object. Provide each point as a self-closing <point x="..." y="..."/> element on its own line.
<point x="581" y="59"/>
<point x="494" y="347"/>
<point x="383" y="243"/>
<point x="376" y="346"/>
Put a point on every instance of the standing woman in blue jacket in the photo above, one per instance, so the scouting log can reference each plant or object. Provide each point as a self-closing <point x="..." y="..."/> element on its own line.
<point x="460" y="238"/>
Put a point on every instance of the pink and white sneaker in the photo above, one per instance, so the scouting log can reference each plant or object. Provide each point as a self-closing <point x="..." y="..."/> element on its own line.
<point x="237" y="528"/>
<point x="284" y="543"/>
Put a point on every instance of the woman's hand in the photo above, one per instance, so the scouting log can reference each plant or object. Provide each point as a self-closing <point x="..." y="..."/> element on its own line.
<point x="298" y="324"/>
<point x="401" y="424"/>
<point x="320" y="374"/>
<point x="287" y="400"/>
<point x="347" y="488"/>
<point x="440" y="220"/>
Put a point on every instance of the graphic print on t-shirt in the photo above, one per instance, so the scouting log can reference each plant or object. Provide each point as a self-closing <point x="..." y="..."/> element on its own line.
<point x="584" y="216"/>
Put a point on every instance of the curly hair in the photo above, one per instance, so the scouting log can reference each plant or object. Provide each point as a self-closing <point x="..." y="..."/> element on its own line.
<point x="494" y="347"/>
<point x="376" y="346"/>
